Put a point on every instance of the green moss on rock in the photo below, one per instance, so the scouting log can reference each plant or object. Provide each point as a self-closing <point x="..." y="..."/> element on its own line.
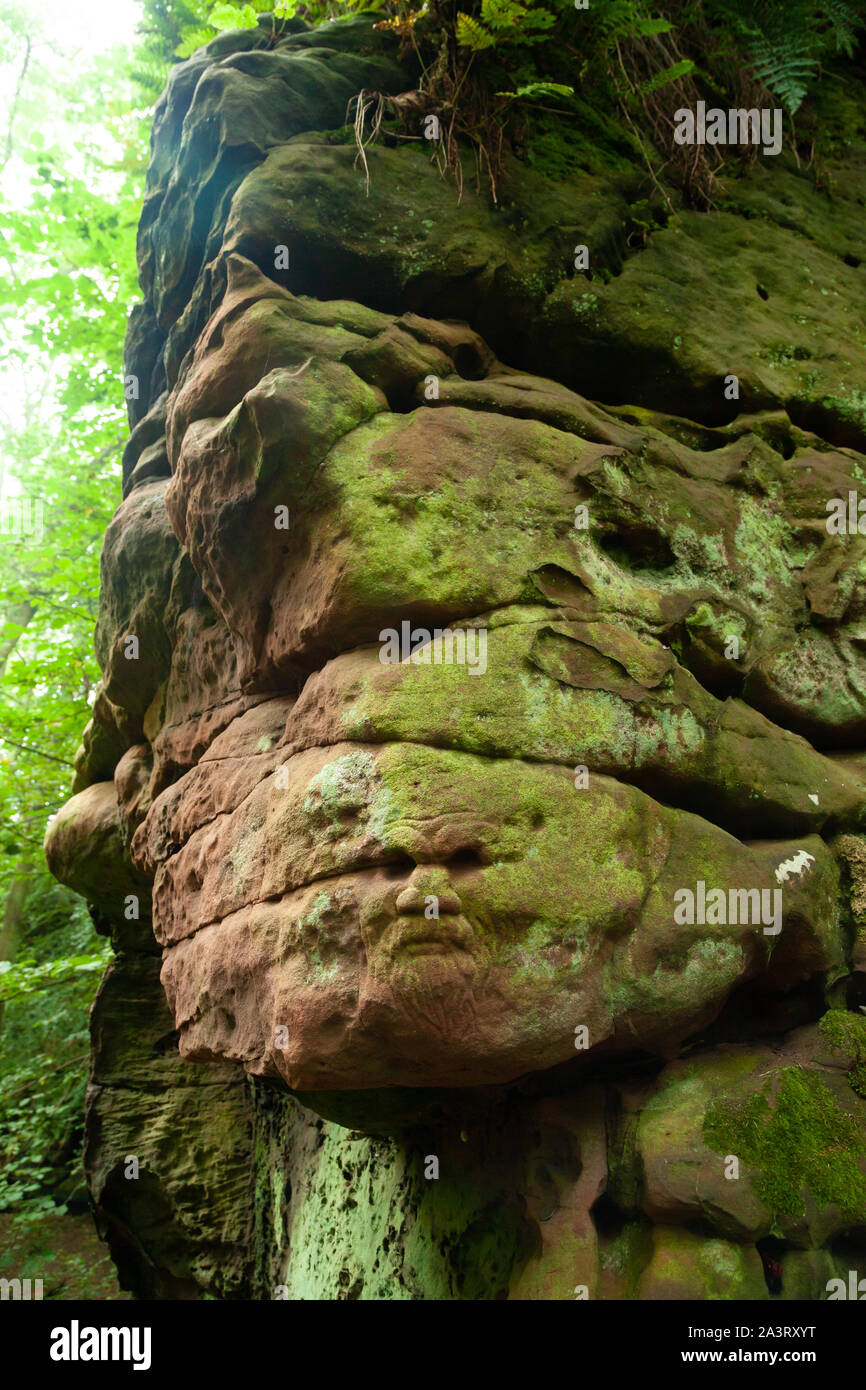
<point x="846" y="1032"/>
<point x="795" y="1133"/>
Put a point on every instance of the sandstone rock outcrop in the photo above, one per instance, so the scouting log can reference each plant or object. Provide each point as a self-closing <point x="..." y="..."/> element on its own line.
<point x="484" y="947"/>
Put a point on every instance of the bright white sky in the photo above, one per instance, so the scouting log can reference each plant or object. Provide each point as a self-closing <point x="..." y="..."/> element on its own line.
<point x="77" y="28"/>
<point x="93" y="24"/>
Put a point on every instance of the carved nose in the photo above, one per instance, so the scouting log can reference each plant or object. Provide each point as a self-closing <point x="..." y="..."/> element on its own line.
<point x="422" y="885"/>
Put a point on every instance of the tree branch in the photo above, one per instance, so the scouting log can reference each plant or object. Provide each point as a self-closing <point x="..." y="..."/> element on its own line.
<point x="13" y="110"/>
<point x="38" y="751"/>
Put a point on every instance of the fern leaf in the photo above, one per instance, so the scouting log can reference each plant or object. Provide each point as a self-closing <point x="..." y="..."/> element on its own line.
<point x="471" y="34"/>
<point x="539" y="89"/>
<point x="501" y="14"/>
<point x="647" y="27"/>
<point x="224" y="17"/>
<point x="844" y="23"/>
<point x="193" y="41"/>
<point x="511" y="17"/>
<point x="668" y="75"/>
<point x="786" y="68"/>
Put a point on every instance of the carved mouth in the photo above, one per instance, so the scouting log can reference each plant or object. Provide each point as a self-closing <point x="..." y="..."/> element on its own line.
<point x="417" y="936"/>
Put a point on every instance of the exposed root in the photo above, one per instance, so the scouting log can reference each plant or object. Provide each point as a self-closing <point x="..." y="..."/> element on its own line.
<point x="364" y="103"/>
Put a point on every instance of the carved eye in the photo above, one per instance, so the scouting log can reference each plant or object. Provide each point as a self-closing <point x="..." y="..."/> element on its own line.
<point x="400" y="866"/>
<point x="466" y="858"/>
<point x="469" y="363"/>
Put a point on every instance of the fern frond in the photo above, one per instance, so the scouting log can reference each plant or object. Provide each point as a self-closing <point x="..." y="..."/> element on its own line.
<point x="471" y="34"/>
<point x="784" y="40"/>
<point x="512" y="18"/>
<point x="785" y="67"/>
<point x="500" y="14"/>
<point x="228" y="16"/>
<point x="648" y="27"/>
<point x="844" y="23"/>
<point x="668" y="75"/>
<point x="539" y="89"/>
<point x="197" y="39"/>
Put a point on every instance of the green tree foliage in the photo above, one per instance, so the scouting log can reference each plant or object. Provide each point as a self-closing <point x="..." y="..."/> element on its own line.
<point x="44" y="1050"/>
<point x="173" y="29"/>
<point x="72" y="168"/>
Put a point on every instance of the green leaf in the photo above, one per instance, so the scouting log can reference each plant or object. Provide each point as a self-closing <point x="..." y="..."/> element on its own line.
<point x="471" y="34"/>
<point x="197" y="39"/>
<point x="23" y="978"/>
<point x="224" y="17"/>
<point x="539" y="89"/>
<point x="668" y="75"/>
<point x="647" y="27"/>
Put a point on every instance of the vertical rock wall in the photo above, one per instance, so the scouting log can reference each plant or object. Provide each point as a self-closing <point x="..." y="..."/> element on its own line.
<point x="359" y="408"/>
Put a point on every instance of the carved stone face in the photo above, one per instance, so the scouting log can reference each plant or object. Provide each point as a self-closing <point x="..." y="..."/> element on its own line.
<point x="439" y="872"/>
<point x="451" y="871"/>
<point x="395" y="914"/>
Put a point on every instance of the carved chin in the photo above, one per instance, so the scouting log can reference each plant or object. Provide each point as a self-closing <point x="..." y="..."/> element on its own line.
<point x="429" y="1021"/>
